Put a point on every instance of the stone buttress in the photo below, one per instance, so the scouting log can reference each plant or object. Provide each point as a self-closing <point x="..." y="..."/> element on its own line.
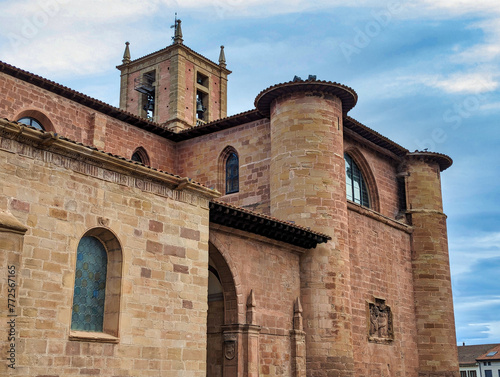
<point x="431" y="267"/>
<point x="308" y="187"/>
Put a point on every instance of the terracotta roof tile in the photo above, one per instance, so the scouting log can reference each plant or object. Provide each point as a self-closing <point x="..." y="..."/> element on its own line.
<point x="469" y="354"/>
<point x="494" y="352"/>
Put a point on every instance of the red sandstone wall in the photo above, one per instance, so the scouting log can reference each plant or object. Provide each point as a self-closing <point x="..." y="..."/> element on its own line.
<point x="380" y="259"/>
<point x="122" y="139"/>
<point x="215" y="97"/>
<point x="189" y="96"/>
<point x="133" y="96"/>
<point x="199" y="159"/>
<point x="272" y="272"/>
<point x="163" y="90"/>
<point x="77" y="122"/>
<point x="384" y="171"/>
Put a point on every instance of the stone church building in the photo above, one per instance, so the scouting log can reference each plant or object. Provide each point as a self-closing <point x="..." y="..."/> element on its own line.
<point x="164" y="238"/>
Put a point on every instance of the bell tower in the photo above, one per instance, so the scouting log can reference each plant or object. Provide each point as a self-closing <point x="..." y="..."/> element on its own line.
<point x="175" y="87"/>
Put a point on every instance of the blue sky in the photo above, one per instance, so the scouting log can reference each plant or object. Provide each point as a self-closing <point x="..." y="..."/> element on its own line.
<point x="427" y="74"/>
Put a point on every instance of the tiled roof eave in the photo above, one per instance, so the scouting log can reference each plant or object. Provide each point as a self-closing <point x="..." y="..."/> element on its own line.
<point x="373" y="136"/>
<point x="263" y="225"/>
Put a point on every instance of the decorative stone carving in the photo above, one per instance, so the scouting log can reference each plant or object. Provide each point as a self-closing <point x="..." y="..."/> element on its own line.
<point x="297" y="315"/>
<point x="230" y="346"/>
<point x="380" y="322"/>
<point x="103" y="221"/>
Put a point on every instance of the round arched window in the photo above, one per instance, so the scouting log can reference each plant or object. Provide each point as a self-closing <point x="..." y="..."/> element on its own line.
<point x="355" y="183"/>
<point x="29" y="121"/>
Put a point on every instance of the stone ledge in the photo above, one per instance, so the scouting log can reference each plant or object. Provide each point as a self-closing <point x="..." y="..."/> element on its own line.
<point x="8" y="223"/>
<point x="86" y="336"/>
<point x="351" y="206"/>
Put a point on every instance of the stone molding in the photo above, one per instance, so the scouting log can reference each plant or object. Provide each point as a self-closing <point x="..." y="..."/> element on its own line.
<point x="351" y="206"/>
<point x="50" y="148"/>
<point x="9" y="224"/>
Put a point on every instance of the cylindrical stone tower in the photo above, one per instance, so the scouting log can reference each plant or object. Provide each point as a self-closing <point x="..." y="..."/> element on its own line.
<point x="308" y="187"/>
<point x="431" y="267"/>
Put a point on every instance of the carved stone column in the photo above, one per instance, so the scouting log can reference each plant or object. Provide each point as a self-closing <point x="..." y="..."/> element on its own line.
<point x="252" y="333"/>
<point x="241" y="345"/>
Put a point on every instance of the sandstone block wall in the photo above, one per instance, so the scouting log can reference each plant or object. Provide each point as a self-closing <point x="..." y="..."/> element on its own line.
<point x="307" y="184"/>
<point x="82" y="124"/>
<point x="435" y="320"/>
<point x="201" y="158"/>
<point x="272" y="272"/>
<point x="164" y="246"/>
<point x="380" y="263"/>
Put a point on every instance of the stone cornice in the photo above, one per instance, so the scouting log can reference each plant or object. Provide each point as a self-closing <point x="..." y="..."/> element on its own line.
<point x="442" y="160"/>
<point x="51" y="148"/>
<point x="346" y="94"/>
<point x="175" y="48"/>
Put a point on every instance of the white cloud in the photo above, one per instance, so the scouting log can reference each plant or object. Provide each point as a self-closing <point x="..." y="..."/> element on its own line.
<point x="465" y="82"/>
<point x="460" y="7"/>
<point x="457" y="83"/>
<point x="483" y="304"/>
<point x="490" y="332"/>
<point x="492" y="106"/>
<point x="465" y="252"/>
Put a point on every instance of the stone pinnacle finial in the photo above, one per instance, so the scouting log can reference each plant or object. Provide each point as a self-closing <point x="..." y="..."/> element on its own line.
<point x="222" y="57"/>
<point x="297" y="315"/>
<point x="126" y="54"/>
<point x="178" y="32"/>
<point x="251" y="304"/>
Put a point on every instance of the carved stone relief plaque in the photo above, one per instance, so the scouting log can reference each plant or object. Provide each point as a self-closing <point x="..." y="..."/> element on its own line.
<point x="230" y="346"/>
<point x="380" y="322"/>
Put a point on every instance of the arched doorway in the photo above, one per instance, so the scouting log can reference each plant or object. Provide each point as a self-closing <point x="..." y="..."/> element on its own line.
<point x="222" y="310"/>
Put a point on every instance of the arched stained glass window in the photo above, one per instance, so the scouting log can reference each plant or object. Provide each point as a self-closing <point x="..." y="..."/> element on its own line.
<point x="29" y="121"/>
<point x="355" y="184"/>
<point x="232" y="174"/>
<point x="90" y="285"/>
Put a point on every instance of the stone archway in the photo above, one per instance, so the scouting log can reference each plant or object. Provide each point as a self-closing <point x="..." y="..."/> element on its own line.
<point x="222" y="310"/>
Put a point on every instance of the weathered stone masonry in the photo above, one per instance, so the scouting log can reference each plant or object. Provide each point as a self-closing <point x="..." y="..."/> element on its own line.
<point x="285" y="277"/>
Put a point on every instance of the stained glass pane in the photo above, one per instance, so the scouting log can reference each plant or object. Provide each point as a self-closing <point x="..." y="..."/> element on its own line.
<point x="90" y="285"/>
<point x="232" y="174"/>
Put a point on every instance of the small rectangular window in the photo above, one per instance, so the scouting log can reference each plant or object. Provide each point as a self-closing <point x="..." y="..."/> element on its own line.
<point x="402" y="193"/>
<point x="472" y="373"/>
<point x="463" y="373"/>
<point x="202" y="79"/>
